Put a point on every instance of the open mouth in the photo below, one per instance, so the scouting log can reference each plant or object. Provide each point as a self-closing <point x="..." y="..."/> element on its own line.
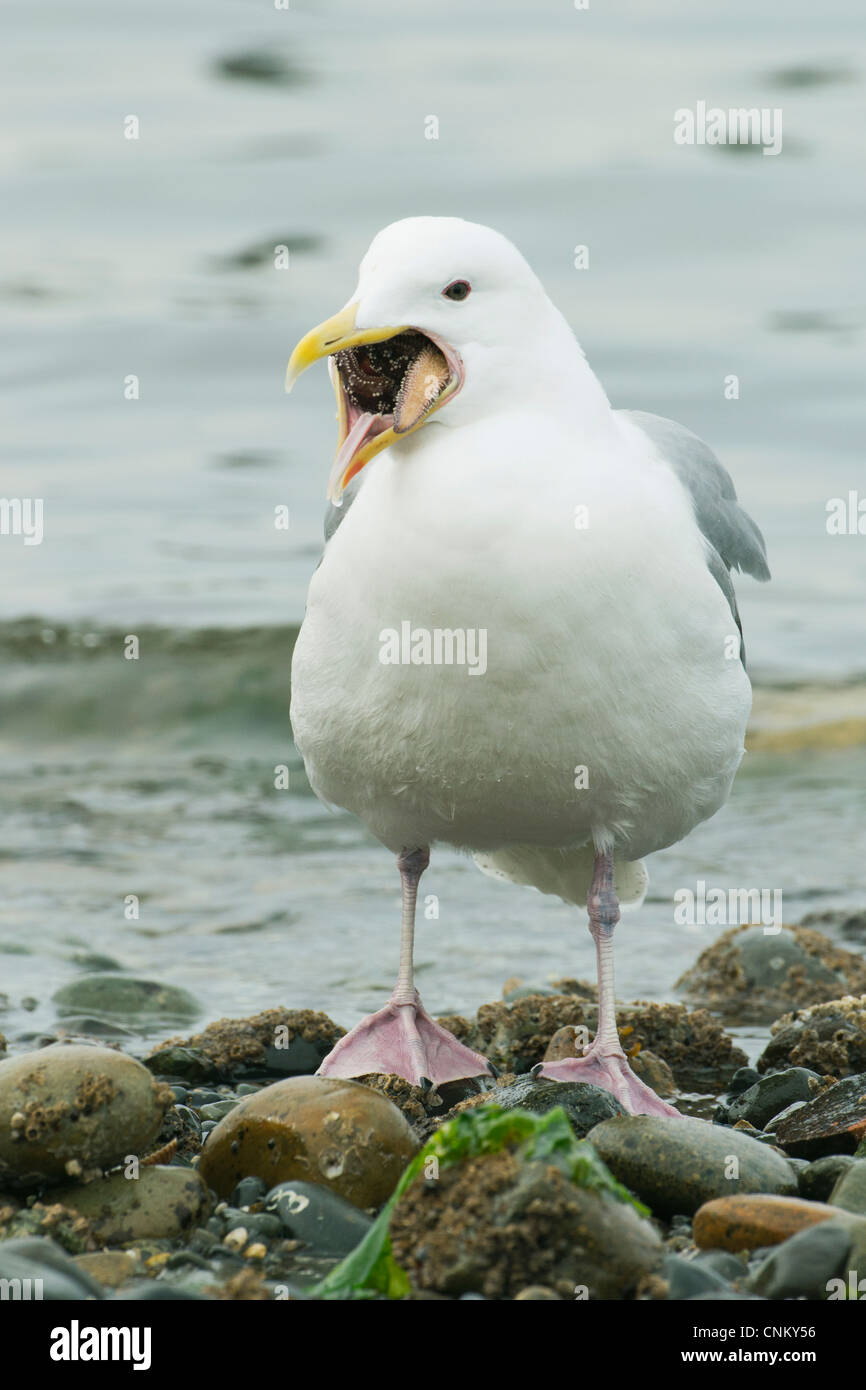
<point x="387" y="388"/>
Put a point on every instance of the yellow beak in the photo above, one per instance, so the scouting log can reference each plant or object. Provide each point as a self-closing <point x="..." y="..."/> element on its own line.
<point x="332" y="336"/>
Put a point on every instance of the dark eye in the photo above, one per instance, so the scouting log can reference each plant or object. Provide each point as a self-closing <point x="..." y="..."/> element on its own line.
<point x="458" y="289"/>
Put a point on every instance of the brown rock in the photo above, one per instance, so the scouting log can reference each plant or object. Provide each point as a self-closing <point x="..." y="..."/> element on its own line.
<point x="752" y="1220"/>
<point x="111" y="1268"/>
<point x="495" y="1225"/>
<point x="286" y="1041"/>
<point x="833" y="1123"/>
<point x="516" y="1036"/>
<point x="320" y="1129"/>
<point x="750" y="976"/>
<point x="161" y="1203"/>
<point x="830" y="1038"/>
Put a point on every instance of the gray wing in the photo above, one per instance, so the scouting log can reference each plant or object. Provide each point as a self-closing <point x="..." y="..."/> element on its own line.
<point x="334" y="515"/>
<point x="733" y="540"/>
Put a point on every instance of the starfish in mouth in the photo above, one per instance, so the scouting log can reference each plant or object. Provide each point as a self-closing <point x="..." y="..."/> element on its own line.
<point x="388" y="381"/>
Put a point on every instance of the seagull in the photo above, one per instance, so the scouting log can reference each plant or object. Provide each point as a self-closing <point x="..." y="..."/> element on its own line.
<point x="522" y="639"/>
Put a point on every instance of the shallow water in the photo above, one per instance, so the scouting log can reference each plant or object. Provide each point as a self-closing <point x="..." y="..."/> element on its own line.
<point x="154" y="258"/>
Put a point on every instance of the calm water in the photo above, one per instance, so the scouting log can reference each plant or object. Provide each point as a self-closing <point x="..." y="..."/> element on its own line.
<point x="154" y="258"/>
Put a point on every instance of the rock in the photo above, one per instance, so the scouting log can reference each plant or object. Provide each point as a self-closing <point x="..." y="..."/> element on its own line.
<point x="35" y="1258"/>
<point x="849" y="1191"/>
<point x="314" y="1129"/>
<point x="830" y="1038"/>
<point x="723" y="1262"/>
<point x="816" y="1180"/>
<point x="161" y="1203"/>
<point x="584" y="1104"/>
<point x="749" y="1221"/>
<point x="742" y="1080"/>
<point x="318" y="1217"/>
<point x="772" y="1094"/>
<point x="834" y="1122"/>
<point x="276" y="1042"/>
<point x="110" y="1268"/>
<point x="66" y="1109"/>
<point x="801" y="1266"/>
<point x="121" y="998"/>
<point x="533" y="1293"/>
<point x="515" y="1037"/>
<point x="187" y="1062"/>
<point x="249" y="1193"/>
<point x="495" y="1224"/>
<point x="687" y="1278"/>
<point x="851" y="925"/>
<point x="677" y="1166"/>
<point x="750" y="976"/>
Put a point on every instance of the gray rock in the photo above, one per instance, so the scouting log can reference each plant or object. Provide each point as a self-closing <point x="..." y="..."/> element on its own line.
<point x="317" y="1216"/>
<point x="35" y="1257"/>
<point x="248" y="1192"/>
<point x="686" y="1278"/>
<point x="849" y="1191"/>
<point x="831" y="1123"/>
<point x="817" y="1180"/>
<point x="677" y="1165"/>
<point x="120" y="997"/>
<point x="771" y="1095"/>
<point x="801" y="1266"/>
<point x="742" y="1079"/>
<point x="722" y="1262"/>
<point x="584" y="1104"/>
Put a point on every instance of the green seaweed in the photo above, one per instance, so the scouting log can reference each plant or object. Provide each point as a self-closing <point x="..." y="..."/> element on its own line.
<point x="371" y="1269"/>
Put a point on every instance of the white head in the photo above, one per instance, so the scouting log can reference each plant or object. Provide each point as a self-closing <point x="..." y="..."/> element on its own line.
<point x="442" y="308"/>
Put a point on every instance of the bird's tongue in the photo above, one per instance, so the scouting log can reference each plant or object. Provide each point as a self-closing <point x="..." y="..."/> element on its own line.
<point x="363" y="428"/>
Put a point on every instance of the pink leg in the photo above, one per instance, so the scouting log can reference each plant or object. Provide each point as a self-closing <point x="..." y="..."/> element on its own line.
<point x="604" y="1063"/>
<point x="402" y="1039"/>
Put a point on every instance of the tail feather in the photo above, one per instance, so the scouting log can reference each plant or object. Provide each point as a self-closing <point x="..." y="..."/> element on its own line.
<point x="565" y="873"/>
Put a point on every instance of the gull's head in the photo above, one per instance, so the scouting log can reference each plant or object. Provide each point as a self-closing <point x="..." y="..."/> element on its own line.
<point x="442" y="306"/>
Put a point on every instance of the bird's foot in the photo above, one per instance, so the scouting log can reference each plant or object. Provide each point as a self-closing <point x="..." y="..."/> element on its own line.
<point x="404" y="1040"/>
<point x="608" y="1068"/>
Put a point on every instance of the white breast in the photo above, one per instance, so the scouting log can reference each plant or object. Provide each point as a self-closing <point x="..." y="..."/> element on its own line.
<point x="610" y="703"/>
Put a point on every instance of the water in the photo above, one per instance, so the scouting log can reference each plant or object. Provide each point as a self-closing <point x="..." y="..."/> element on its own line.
<point x="154" y="258"/>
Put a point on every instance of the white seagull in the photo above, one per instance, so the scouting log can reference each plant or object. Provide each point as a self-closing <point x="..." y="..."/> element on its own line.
<point x="522" y="639"/>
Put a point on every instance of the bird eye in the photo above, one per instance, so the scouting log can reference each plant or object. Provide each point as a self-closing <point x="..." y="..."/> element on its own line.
<point x="458" y="289"/>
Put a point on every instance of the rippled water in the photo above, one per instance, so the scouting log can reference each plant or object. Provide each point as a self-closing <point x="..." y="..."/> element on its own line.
<point x="155" y="258"/>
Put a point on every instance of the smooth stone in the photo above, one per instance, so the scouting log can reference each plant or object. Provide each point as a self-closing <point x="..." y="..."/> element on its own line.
<point x="816" y="1180"/>
<point x="119" y="996"/>
<point x="722" y="1262"/>
<point x="110" y="1268"/>
<point x="533" y="1293"/>
<point x="771" y="1095"/>
<point x="66" y="1106"/>
<point x="161" y="1203"/>
<point x="318" y="1217"/>
<point x="187" y="1062"/>
<point x="742" y="1079"/>
<point x="248" y="1192"/>
<point x="36" y="1257"/>
<point x="801" y="1266"/>
<point x="849" y="1192"/>
<point x="675" y="1166"/>
<point x="686" y="1278"/>
<point x="317" y="1129"/>
<point x="834" y="1122"/>
<point x="216" y="1110"/>
<point x="748" y="1221"/>
<point x="584" y="1104"/>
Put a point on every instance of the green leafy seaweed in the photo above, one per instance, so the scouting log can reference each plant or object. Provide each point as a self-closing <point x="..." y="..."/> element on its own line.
<point x="371" y="1269"/>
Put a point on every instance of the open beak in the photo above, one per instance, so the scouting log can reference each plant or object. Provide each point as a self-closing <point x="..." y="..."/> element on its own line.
<point x="383" y="392"/>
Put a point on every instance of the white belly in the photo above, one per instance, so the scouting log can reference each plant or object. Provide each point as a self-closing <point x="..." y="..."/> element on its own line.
<point x="610" y="705"/>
